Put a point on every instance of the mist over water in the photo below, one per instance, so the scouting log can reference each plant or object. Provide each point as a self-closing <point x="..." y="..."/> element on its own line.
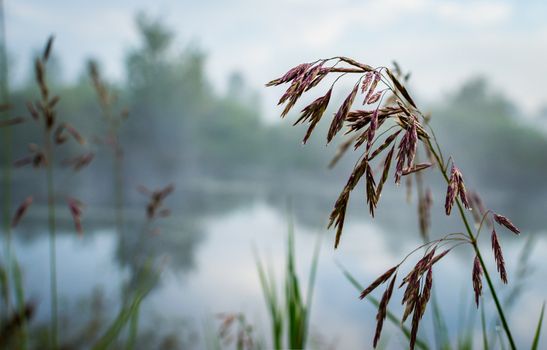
<point x="208" y="268"/>
<point x="239" y="181"/>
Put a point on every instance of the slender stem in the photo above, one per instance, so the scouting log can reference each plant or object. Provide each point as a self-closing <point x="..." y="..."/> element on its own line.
<point x="484" y="216"/>
<point x="7" y="144"/>
<point x="133" y="328"/>
<point x="52" y="237"/>
<point x="346" y="70"/>
<point x="118" y="184"/>
<point x="478" y="253"/>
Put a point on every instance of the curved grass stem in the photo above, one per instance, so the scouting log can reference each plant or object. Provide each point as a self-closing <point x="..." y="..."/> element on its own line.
<point x="478" y="253"/>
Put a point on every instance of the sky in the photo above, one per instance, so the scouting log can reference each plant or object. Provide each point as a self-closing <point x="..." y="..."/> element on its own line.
<point x="443" y="43"/>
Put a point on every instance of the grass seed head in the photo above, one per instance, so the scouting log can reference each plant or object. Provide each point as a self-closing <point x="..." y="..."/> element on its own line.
<point x="498" y="256"/>
<point x="21" y="210"/>
<point x="477" y="279"/>
<point x="502" y="220"/>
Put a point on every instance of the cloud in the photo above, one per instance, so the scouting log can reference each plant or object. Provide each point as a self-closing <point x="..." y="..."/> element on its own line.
<point x="446" y="38"/>
<point x="480" y="14"/>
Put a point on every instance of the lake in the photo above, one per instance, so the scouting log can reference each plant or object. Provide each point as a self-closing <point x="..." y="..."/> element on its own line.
<point x="206" y="262"/>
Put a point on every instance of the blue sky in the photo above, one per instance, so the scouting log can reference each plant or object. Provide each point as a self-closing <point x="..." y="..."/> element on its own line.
<point x="442" y="42"/>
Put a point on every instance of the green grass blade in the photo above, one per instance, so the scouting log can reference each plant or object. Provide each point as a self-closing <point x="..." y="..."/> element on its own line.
<point x="20" y="299"/>
<point x="311" y="284"/>
<point x="124" y="316"/>
<point x="267" y="283"/>
<point x="538" y="329"/>
<point x="133" y="329"/>
<point x="484" y="331"/>
<point x="293" y="301"/>
<point x="439" y="325"/>
<point x="390" y="315"/>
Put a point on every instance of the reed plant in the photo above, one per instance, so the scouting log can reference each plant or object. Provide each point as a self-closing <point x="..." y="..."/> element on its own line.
<point x="55" y="133"/>
<point x="114" y="119"/>
<point x="391" y="124"/>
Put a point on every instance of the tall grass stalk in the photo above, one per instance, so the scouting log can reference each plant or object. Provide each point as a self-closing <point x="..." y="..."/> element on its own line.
<point x="52" y="238"/>
<point x="54" y="133"/>
<point x="293" y="313"/>
<point x="440" y="331"/>
<point x="7" y="148"/>
<point x="391" y="103"/>
<point x="113" y="121"/>
<point x="476" y="248"/>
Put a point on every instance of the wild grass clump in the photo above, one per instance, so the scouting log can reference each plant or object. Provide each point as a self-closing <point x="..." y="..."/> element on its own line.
<point x="289" y="312"/>
<point x="392" y="125"/>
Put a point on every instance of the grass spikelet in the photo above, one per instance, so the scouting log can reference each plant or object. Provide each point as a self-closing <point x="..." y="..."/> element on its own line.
<point x="80" y="162"/>
<point x="426" y="294"/>
<point x="401" y="88"/>
<point x="297" y="88"/>
<point x="313" y="113"/>
<point x="380" y="280"/>
<point x="502" y="220"/>
<point x="10" y="122"/>
<point x="438" y="257"/>
<point x="415" y="168"/>
<point x="375" y="80"/>
<point x="384" y="145"/>
<point x="75" y="207"/>
<point x="47" y="49"/>
<point x="415" y="323"/>
<point x="382" y="310"/>
<point x="340" y="116"/>
<point x="498" y="256"/>
<point x="374" y="97"/>
<point x="338" y="215"/>
<point x="452" y="189"/>
<point x="424" y="211"/>
<point x="292" y="74"/>
<point x="21" y="210"/>
<point x="385" y="172"/>
<point x="60" y="137"/>
<point x="156" y="198"/>
<point x="366" y="82"/>
<point x="372" y="199"/>
<point x="477" y="279"/>
<point x="372" y="128"/>
<point x="32" y="110"/>
<point x="406" y="152"/>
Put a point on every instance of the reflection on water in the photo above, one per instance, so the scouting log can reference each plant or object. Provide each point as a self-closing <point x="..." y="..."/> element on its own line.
<point x="207" y="267"/>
